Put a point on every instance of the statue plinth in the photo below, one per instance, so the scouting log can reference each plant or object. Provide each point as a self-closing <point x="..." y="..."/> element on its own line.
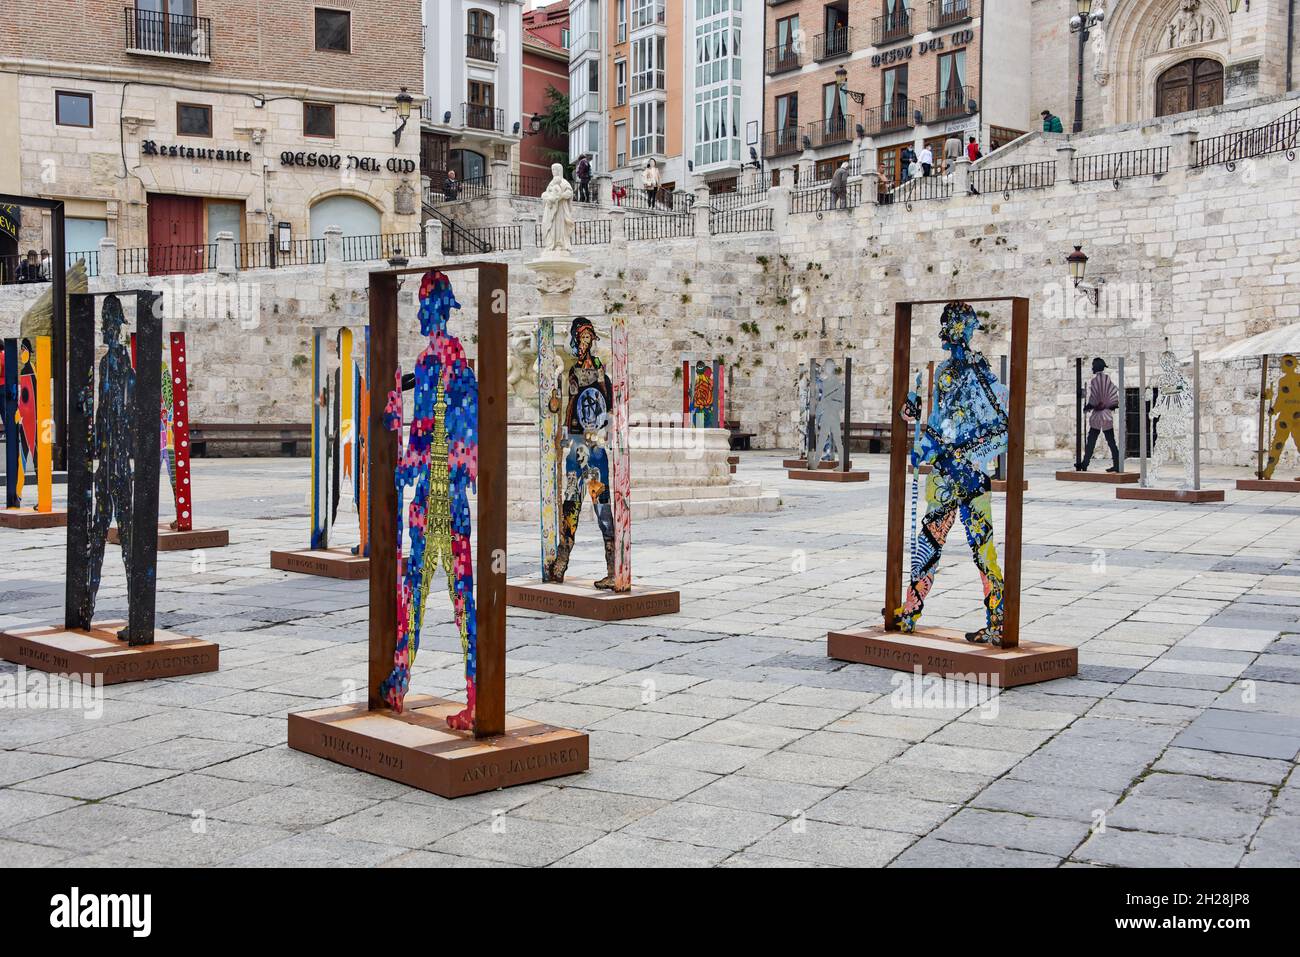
<point x="556" y="276"/>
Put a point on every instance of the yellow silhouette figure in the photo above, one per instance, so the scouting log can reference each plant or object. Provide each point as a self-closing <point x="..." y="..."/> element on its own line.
<point x="1285" y="407"/>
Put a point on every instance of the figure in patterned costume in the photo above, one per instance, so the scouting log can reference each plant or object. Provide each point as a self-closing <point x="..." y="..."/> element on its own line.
<point x="964" y="435"/>
<point x="1285" y="408"/>
<point x="586" y="459"/>
<point x="439" y="461"/>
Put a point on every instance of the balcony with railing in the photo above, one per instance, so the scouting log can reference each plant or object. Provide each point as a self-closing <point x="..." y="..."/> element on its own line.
<point x="947" y="13"/>
<point x="783" y="59"/>
<point x="151" y="33"/>
<point x="832" y="44"/>
<point x="476" y="116"/>
<point x="785" y="141"/>
<point x="889" y="117"/>
<point x="947" y="104"/>
<point x="480" y="48"/>
<point x="832" y="131"/>
<point x="648" y="14"/>
<point x="892" y="27"/>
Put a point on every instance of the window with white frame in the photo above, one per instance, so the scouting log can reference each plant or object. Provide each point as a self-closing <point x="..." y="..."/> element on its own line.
<point x="620" y="82"/>
<point x="621" y="8"/>
<point x="648" y="128"/>
<point x="648" y="54"/>
<point x="717" y="82"/>
<point x="620" y="145"/>
<point x="646" y="13"/>
<point x="717" y="125"/>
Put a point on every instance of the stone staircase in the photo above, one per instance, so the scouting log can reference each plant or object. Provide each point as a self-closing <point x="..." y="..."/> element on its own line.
<point x="668" y="478"/>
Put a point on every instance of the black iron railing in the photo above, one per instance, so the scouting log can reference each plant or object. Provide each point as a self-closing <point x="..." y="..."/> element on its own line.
<point x="523" y="185"/>
<point x="753" y="220"/>
<point x="892" y="26"/>
<point x="829" y="132"/>
<point x="167" y="260"/>
<point x="888" y="117"/>
<point x="476" y="116"/>
<point x="659" y="227"/>
<point x="1282" y="135"/>
<point x="382" y="246"/>
<point x="1007" y="179"/>
<point x="1123" y="165"/>
<point x="946" y="104"/>
<point x="946" y="13"/>
<point x="449" y="190"/>
<point x="922" y="188"/>
<point x="825" y="196"/>
<point x="782" y="142"/>
<point x="480" y="48"/>
<point x="735" y="199"/>
<point x="482" y="239"/>
<point x="783" y="59"/>
<point x="630" y="194"/>
<point x="590" y="232"/>
<point x="298" y="252"/>
<point x="833" y="43"/>
<point x="172" y="34"/>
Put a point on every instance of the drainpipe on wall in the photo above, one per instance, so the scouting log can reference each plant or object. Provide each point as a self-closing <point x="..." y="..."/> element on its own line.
<point x="1290" y="42"/>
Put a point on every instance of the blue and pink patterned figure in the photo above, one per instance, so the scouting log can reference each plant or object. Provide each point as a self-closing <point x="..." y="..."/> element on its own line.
<point x="963" y="436"/>
<point x="440" y="459"/>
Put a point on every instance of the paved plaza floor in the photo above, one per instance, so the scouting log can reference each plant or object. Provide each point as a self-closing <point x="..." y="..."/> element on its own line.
<point x="721" y="735"/>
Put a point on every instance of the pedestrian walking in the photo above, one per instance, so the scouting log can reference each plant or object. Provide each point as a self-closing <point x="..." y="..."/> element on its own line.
<point x="451" y="186"/>
<point x="583" y="171"/>
<point x="840" y="188"/>
<point x="1052" y="123"/>
<point x="926" y="160"/>
<point x="650" y="182"/>
<point x="952" y="151"/>
<point x="973" y="150"/>
<point x="905" y="161"/>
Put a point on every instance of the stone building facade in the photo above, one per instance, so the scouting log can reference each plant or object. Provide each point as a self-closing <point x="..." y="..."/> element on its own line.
<point x="1192" y="257"/>
<point x="1147" y="58"/>
<point x="165" y="128"/>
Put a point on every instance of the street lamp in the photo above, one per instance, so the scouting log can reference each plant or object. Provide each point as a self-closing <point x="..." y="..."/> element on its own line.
<point x="404" y="101"/>
<point x="1078" y="263"/>
<point x="842" y="79"/>
<point x="1079" y="23"/>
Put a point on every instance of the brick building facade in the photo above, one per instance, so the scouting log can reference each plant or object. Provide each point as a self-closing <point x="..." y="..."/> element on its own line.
<point x="162" y="124"/>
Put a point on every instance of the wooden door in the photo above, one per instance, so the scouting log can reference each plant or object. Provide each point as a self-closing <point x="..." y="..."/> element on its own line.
<point x="176" y="236"/>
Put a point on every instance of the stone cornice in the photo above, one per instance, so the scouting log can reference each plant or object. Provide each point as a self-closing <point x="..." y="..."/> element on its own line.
<point x="254" y="88"/>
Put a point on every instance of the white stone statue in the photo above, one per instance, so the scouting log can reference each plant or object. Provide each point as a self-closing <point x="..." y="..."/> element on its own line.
<point x="557" y="214"/>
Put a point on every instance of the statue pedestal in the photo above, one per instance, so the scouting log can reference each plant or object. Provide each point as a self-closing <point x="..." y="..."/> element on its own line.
<point x="1108" y="478"/>
<point x="1268" y="485"/>
<point x="324" y="562"/>
<point x="175" y="540"/>
<point x="580" y="599"/>
<point x="1181" y="496"/>
<point x="556" y="277"/>
<point x="944" y="652"/>
<point x="27" y="518"/>
<point x="96" y="652"/>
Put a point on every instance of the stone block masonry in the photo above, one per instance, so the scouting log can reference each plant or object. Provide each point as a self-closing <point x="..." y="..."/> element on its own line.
<point x="1195" y="257"/>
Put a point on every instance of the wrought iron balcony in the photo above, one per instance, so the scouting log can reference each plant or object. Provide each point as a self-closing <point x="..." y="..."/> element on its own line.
<point x="946" y="13"/>
<point x="480" y="48"/>
<point x="946" y="104"/>
<point x="476" y="116"/>
<point x="783" y="59"/>
<point x="835" y="43"/>
<point x="888" y="117"/>
<point x="782" y="142"/>
<point x="831" y="131"/>
<point x="892" y="26"/>
<point x="151" y="33"/>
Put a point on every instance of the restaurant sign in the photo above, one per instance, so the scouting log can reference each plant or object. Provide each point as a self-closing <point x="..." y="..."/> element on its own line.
<point x="151" y="148"/>
<point x="364" y="164"/>
<point x="951" y="41"/>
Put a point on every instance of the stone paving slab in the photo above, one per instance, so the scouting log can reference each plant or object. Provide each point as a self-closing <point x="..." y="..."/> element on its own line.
<point x="720" y="736"/>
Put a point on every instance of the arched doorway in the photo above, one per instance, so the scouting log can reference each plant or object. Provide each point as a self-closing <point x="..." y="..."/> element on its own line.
<point x="355" y="216"/>
<point x="1195" y="84"/>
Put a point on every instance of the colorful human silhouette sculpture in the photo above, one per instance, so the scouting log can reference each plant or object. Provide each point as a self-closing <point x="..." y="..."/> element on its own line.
<point x="439" y="461"/>
<point x="1173" y="411"/>
<point x="113" y="483"/>
<point x="1100" y="401"/>
<point x="1284" y="409"/>
<point x="586" y="417"/>
<point x="18" y="391"/>
<point x="965" y="433"/>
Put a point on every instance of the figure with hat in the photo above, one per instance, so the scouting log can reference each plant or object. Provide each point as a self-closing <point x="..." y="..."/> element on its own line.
<point x="586" y="417"/>
<point x="1101" y="399"/>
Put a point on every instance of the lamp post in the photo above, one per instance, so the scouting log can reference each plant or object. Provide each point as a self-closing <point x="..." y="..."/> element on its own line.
<point x="404" y="101"/>
<point x="842" y="79"/>
<point x="1079" y="23"/>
